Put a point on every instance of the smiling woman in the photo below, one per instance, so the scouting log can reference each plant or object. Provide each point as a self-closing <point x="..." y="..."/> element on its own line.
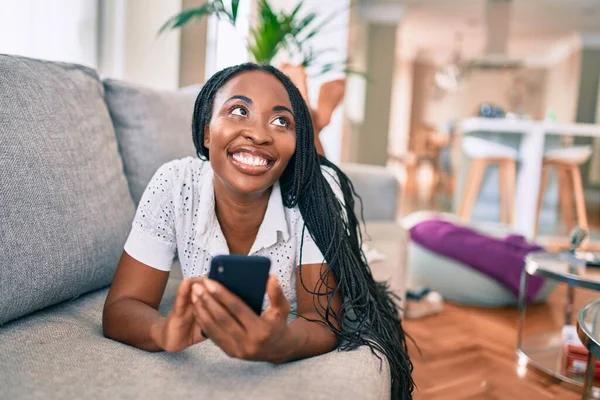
<point x="258" y="187"/>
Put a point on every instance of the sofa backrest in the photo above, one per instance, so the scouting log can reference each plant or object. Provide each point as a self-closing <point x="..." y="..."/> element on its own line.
<point x="65" y="207"/>
<point x="152" y="127"/>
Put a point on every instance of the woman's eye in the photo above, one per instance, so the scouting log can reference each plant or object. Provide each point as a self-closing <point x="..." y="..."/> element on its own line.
<point x="239" y="111"/>
<point x="281" y="121"/>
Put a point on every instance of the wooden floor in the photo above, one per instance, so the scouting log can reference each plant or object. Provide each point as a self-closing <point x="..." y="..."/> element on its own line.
<point x="469" y="353"/>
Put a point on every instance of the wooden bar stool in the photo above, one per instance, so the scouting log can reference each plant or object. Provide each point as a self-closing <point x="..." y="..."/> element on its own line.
<point x="566" y="163"/>
<point x="484" y="153"/>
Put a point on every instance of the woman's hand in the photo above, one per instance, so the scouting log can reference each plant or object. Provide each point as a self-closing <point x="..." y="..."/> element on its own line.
<point x="180" y="329"/>
<point x="235" y="327"/>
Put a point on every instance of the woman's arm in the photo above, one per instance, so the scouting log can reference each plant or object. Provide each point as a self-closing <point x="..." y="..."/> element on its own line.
<point x="131" y="313"/>
<point x="131" y="307"/>
<point x="306" y="338"/>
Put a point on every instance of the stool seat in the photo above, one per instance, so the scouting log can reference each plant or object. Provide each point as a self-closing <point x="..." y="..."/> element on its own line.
<point x="480" y="148"/>
<point x="570" y="155"/>
<point x="483" y="153"/>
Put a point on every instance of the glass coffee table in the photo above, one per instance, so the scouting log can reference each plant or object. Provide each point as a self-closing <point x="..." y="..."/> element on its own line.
<point x="588" y="330"/>
<point x="543" y="350"/>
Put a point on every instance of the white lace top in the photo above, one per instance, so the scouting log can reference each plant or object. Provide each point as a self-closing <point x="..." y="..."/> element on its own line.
<point x="176" y="214"/>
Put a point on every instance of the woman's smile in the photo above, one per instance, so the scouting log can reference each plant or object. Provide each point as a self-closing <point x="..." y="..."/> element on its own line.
<point x="250" y="161"/>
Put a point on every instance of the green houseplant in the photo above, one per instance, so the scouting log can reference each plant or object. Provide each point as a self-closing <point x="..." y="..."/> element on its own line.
<point x="277" y="32"/>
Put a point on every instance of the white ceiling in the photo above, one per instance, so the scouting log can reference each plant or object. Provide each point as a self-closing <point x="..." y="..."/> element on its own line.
<point x="537" y="27"/>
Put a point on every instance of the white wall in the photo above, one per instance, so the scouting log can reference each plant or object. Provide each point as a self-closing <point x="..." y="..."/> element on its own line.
<point x="130" y="48"/>
<point x="562" y="88"/>
<point x="401" y="107"/>
<point x="226" y="44"/>
<point x="42" y="29"/>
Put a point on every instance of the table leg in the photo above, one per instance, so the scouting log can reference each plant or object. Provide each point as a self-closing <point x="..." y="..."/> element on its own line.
<point x="528" y="182"/>
<point x="569" y="305"/>
<point x="588" y="383"/>
<point x="522" y="307"/>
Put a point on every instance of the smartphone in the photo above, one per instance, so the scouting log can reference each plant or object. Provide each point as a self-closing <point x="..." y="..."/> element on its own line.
<point x="245" y="276"/>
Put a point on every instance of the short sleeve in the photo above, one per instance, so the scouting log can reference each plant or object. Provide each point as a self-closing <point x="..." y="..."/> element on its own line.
<point x="306" y="245"/>
<point x="152" y="238"/>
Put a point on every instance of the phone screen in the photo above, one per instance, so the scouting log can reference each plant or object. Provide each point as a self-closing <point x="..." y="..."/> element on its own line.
<point x="244" y="276"/>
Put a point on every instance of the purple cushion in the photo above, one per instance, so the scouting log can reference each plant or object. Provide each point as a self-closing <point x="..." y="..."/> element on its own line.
<point x="500" y="259"/>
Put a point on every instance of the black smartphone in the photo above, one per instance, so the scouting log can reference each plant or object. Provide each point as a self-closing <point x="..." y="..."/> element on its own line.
<point x="245" y="276"/>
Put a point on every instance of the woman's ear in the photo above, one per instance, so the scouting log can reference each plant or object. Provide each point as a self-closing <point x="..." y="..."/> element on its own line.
<point x="206" y="137"/>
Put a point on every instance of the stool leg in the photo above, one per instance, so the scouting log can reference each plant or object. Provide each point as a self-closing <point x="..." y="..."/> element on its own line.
<point x="579" y="198"/>
<point x="565" y="196"/>
<point x="512" y="190"/>
<point x="503" y="188"/>
<point x="472" y="188"/>
<point x="540" y="199"/>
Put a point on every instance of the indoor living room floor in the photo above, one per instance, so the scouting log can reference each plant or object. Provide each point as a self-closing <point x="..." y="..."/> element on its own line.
<point x="470" y="353"/>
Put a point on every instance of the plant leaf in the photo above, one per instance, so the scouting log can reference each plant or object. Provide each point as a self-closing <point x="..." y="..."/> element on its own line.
<point x="185" y="16"/>
<point x="310" y="56"/>
<point x="269" y="34"/>
<point x="222" y="10"/>
<point x="234" y="9"/>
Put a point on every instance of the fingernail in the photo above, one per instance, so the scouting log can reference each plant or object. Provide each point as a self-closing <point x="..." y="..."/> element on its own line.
<point x="198" y="289"/>
<point x="211" y="286"/>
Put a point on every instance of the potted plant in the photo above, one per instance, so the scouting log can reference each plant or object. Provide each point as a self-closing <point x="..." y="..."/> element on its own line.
<point x="278" y="32"/>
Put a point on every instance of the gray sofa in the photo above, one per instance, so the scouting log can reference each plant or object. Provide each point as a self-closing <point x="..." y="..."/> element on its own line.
<point x="76" y="153"/>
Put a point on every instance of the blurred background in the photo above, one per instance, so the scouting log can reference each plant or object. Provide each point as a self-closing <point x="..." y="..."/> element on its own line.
<point x="412" y="72"/>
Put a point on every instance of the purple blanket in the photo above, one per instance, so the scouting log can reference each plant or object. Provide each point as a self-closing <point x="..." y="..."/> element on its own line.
<point x="501" y="260"/>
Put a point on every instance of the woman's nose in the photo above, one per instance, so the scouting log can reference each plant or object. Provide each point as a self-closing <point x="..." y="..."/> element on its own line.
<point x="258" y="135"/>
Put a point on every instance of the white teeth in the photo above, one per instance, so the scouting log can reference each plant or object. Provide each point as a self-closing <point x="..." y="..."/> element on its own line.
<point x="251" y="160"/>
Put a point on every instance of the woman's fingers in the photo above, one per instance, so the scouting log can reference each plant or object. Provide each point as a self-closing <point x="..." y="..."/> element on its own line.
<point x="232" y="303"/>
<point x="182" y="298"/>
<point x="275" y="293"/>
<point x="280" y="306"/>
<point x="221" y="316"/>
<point x="212" y="330"/>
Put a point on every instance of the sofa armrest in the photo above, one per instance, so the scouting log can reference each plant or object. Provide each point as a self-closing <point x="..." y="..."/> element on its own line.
<point x="378" y="188"/>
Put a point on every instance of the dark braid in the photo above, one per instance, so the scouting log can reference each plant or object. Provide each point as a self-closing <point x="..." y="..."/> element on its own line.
<point x="369" y="313"/>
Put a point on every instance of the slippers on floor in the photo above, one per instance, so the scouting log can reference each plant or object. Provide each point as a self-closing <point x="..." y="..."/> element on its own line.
<point x="429" y="304"/>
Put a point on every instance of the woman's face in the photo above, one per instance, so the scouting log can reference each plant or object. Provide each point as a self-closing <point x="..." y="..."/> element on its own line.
<point x="252" y="133"/>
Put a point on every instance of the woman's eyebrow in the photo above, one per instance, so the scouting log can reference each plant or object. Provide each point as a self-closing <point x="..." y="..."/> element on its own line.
<point x="240" y="97"/>
<point x="282" y="108"/>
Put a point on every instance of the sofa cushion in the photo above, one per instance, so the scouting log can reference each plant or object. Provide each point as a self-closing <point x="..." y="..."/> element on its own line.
<point x="153" y="127"/>
<point x="65" y="206"/>
<point x="378" y="189"/>
<point x="60" y="353"/>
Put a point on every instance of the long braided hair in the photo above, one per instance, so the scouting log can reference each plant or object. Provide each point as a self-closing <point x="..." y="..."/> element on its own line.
<point x="369" y="315"/>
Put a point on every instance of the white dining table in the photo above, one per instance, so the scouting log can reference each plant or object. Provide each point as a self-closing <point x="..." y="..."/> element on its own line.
<point x="531" y="155"/>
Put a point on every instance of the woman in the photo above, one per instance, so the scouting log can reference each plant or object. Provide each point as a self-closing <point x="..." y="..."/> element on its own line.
<point x="264" y="191"/>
